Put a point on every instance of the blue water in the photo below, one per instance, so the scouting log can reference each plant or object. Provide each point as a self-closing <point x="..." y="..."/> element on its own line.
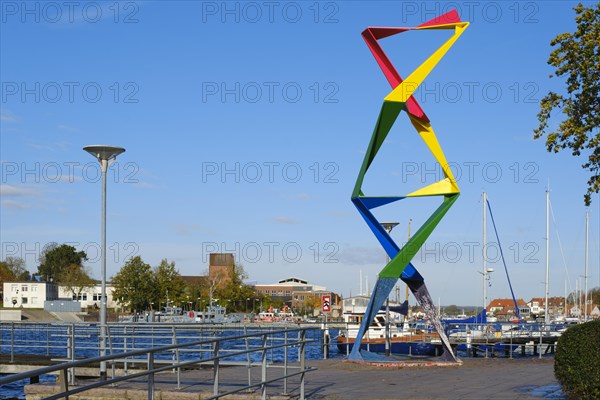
<point x="15" y="390"/>
<point x="53" y="339"/>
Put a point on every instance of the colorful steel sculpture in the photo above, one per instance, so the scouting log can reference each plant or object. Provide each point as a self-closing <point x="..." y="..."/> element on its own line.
<point x="401" y="99"/>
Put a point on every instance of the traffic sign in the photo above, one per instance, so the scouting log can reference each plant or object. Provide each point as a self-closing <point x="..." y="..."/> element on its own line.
<point x="326" y="303"/>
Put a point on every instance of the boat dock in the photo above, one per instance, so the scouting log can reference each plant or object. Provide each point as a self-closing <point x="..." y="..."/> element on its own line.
<point x="336" y="379"/>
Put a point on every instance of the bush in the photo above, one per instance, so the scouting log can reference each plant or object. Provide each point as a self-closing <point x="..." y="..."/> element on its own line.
<point x="577" y="361"/>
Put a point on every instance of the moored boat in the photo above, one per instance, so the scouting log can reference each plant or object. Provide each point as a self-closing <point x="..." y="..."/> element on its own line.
<point x="404" y="339"/>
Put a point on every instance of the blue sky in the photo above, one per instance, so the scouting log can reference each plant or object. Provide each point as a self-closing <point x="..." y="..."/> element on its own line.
<point x="245" y="124"/>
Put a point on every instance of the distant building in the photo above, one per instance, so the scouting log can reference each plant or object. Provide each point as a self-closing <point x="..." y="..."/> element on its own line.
<point x="89" y="296"/>
<point x="556" y="306"/>
<point x="298" y="294"/>
<point x="504" y="309"/>
<point x="28" y="294"/>
<point x="356" y="304"/>
<point x="359" y="303"/>
<point x="221" y="268"/>
<point x="592" y="311"/>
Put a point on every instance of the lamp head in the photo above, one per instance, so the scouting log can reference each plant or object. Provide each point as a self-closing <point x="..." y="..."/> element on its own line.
<point x="103" y="151"/>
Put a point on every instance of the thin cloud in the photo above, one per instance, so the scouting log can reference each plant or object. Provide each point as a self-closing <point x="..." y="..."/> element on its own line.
<point x="56" y="146"/>
<point x="14" y="204"/>
<point x="7" y="116"/>
<point x="17" y="191"/>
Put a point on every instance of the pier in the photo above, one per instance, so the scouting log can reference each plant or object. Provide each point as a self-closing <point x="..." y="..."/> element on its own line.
<point x="336" y="379"/>
<point x="165" y="361"/>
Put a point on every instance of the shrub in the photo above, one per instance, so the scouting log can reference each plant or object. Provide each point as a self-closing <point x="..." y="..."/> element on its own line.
<point x="577" y="361"/>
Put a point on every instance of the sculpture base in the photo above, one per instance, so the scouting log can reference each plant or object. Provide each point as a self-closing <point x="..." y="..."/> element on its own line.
<point x="393" y="361"/>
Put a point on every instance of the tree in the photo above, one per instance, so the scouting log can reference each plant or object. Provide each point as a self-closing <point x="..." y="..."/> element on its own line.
<point x="267" y="301"/>
<point x="169" y="284"/>
<point x="196" y="289"/>
<point x="55" y="259"/>
<point x="13" y="269"/>
<point x="5" y="273"/>
<point x="452" y="310"/>
<point x="75" y="278"/>
<point x="594" y="295"/>
<point x="577" y="57"/>
<point x="577" y="361"/>
<point x="312" y="303"/>
<point x="134" y="285"/>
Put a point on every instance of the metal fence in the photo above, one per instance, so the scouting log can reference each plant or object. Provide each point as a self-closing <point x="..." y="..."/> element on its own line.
<point x="471" y="340"/>
<point x="248" y="349"/>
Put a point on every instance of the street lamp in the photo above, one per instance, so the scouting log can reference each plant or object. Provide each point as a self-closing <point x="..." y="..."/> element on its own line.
<point x="103" y="154"/>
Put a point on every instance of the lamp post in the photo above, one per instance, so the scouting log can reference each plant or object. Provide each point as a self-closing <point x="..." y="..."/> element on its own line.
<point x="388" y="226"/>
<point x="104" y="154"/>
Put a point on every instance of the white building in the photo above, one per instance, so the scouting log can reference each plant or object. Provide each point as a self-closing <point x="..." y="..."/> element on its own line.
<point x="359" y="303"/>
<point x="34" y="294"/>
<point x="89" y="297"/>
<point x="28" y="294"/>
<point x="356" y="304"/>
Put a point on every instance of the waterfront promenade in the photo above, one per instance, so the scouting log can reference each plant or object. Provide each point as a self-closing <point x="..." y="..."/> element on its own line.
<point x="478" y="378"/>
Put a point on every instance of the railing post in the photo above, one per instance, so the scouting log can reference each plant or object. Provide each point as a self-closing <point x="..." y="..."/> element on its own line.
<point x="541" y="341"/>
<point x="175" y="355"/>
<point x="216" y="368"/>
<point x="71" y="350"/>
<point x="248" y="358"/>
<point x="347" y="339"/>
<point x="110" y="347"/>
<point x="511" y="344"/>
<point x="263" y="386"/>
<point x="299" y="339"/>
<point x="285" y="361"/>
<point x="64" y="381"/>
<point x="151" y="375"/>
<point x="133" y="338"/>
<point x="201" y="337"/>
<point x="302" y="366"/>
<point x="487" y="342"/>
<point x="12" y="342"/>
<point x="125" y="347"/>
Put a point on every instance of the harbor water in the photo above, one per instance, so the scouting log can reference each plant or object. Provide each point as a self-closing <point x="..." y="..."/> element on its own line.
<point x="78" y="341"/>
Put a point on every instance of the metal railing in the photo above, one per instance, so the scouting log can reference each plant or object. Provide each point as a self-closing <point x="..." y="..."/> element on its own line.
<point x="80" y="340"/>
<point x="212" y="351"/>
<point x="473" y="339"/>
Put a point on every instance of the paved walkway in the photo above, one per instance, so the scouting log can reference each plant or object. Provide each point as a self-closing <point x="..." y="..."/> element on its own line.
<point x="475" y="379"/>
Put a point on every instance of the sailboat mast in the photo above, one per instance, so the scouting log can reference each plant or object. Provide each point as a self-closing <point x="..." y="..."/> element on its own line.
<point x="484" y="250"/>
<point x="565" y="309"/>
<point x="409" y="222"/>
<point x="361" y="282"/>
<point x="585" y="295"/>
<point x="546" y="308"/>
